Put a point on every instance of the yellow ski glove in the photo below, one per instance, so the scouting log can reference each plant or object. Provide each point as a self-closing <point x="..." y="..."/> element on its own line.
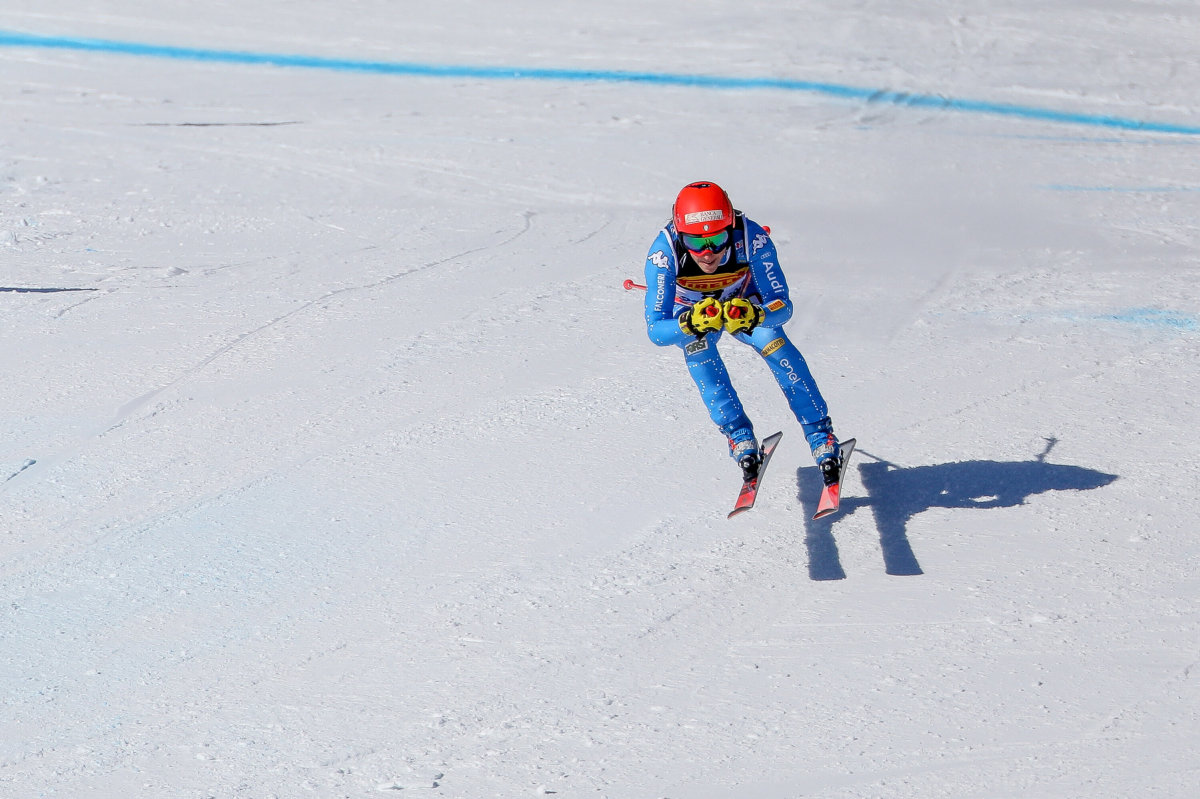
<point x="706" y="316"/>
<point x="742" y="316"/>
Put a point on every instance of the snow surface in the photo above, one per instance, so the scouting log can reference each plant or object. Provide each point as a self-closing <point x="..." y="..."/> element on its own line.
<point x="335" y="461"/>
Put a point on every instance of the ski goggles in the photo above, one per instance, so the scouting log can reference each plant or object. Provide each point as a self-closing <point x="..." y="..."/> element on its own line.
<point x="713" y="243"/>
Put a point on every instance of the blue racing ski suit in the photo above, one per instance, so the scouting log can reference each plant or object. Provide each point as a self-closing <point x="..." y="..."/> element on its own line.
<point x="751" y="270"/>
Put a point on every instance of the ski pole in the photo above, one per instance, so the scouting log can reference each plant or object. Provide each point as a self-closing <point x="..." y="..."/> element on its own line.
<point x="630" y="285"/>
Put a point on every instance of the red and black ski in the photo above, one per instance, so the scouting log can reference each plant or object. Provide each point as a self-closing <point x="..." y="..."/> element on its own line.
<point x="749" y="492"/>
<point x="831" y="495"/>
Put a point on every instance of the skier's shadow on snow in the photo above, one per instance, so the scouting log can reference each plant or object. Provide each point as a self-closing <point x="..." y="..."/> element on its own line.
<point x="895" y="495"/>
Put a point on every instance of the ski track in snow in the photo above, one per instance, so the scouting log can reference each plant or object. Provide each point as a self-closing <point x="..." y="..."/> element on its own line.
<point x="336" y="463"/>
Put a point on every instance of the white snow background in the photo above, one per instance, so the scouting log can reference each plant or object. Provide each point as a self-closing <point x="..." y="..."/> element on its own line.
<point x="335" y="462"/>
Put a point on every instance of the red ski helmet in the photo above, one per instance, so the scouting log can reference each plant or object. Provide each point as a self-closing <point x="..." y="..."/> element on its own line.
<point x="702" y="208"/>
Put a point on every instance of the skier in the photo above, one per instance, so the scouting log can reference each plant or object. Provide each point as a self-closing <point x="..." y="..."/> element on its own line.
<point x="713" y="270"/>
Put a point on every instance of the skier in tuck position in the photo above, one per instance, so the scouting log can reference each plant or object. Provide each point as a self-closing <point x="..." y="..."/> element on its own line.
<point x="710" y="271"/>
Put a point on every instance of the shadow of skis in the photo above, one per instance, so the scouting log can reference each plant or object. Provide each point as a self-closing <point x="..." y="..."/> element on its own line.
<point x="896" y="494"/>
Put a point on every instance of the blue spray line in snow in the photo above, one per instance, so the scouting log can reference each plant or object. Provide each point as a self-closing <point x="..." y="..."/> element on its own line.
<point x="882" y="96"/>
<point x="1154" y="318"/>
<point x="1145" y="318"/>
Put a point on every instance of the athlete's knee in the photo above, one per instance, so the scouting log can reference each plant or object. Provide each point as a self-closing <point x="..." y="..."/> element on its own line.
<point x="769" y="341"/>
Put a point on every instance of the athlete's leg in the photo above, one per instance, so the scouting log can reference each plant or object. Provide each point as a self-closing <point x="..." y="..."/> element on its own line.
<point x="794" y="378"/>
<point x="712" y="379"/>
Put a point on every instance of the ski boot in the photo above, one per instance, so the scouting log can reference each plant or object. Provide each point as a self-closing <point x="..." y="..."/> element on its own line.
<point x="825" y="449"/>
<point x="747" y="456"/>
<point x="745" y="453"/>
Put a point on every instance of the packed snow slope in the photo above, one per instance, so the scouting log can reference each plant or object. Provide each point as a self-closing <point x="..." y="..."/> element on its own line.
<point x="335" y="462"/>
